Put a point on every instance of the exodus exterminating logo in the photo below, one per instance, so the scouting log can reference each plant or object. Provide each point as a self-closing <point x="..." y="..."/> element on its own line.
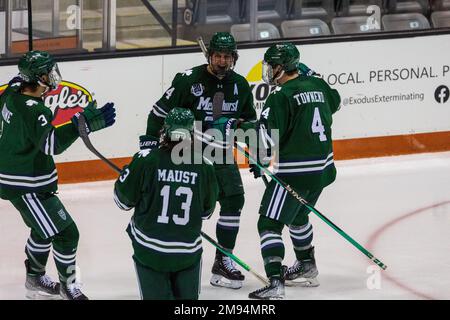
<point x="442" y="94"/>
<point x="65" y="101"/>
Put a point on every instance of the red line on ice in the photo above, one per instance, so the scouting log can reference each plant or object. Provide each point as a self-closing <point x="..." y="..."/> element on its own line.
<point x="374" y="237"/>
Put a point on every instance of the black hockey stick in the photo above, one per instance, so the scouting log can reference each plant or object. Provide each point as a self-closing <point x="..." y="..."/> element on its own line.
<point x="294" y="193"/>
<point x="202" y="46"/>
<point x="217" y="105"/>
<point x="264" y="178"/>
<point x="82" y="129"/>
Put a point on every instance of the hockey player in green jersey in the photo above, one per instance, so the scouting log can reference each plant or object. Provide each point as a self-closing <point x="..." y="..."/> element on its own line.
<point x="301" y="109"/>
<point x="170" y="201"/>
<point x="194" y="89"/>
<point x="28" y="177"/>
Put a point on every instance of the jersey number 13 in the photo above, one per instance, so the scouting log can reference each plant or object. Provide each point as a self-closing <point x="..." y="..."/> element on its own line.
<point x="185" y="206"/>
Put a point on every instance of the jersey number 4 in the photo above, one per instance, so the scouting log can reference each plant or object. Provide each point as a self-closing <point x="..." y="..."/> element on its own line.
<point x="317" y="126"/>
<point x="185" y="206"/>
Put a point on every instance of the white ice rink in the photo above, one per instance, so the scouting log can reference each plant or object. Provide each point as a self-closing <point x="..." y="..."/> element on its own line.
<point x="397" y="207"/>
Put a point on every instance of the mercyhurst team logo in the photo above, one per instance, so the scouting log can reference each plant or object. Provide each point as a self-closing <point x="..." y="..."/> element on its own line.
<point x="66" y="100"/>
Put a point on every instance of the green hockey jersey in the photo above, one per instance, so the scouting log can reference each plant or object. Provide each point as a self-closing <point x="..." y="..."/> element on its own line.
<point x="28" y="142"/>
<point x="301" y="109"/>
<point x="194" y="89"/>
<point x="170" y="202"/>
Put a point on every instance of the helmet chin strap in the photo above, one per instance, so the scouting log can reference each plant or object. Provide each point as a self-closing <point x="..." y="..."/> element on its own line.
<point x="45" y="85"/>
<point x="277" y="77"/>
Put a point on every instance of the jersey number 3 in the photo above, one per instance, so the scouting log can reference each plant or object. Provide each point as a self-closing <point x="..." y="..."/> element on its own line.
<point x="185" y="206"/>
<point x="317" y="126"/>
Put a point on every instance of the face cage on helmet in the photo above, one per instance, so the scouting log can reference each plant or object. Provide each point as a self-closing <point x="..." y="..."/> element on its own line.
<point x="54" y="77"/>
<point x="267" y="73"/>
<point x="234" y="56"/>
<point x="268" y="76"/>
<point x="179" y="134"/>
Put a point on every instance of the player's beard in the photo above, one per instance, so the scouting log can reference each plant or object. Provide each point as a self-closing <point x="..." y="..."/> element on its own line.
<point x="221" y="71"/>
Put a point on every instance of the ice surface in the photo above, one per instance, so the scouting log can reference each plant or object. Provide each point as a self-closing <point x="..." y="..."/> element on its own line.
<point x="398" y="207"/>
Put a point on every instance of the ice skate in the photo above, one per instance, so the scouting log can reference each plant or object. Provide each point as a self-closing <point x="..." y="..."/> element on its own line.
<point x="303" y="273"/>
<point x="273" y="291"/>
<point x="72" y="291"/>
<point x="225" y="274"/>
<point x="40" y="287"/>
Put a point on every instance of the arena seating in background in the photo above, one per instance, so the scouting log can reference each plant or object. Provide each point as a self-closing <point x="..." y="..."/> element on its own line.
<point x="407" y="6"/>
<point x="265" y="31"/>
<point x="212" y="12"/>
<point x="404" y="21"/>
<point x="311" y="9"/>
<point x="304" y="28"/>
<point x="440" y="19"/>
<point x="310" y="18"/>
<point x="355" y="24"/>
<point x="347" y="8"/>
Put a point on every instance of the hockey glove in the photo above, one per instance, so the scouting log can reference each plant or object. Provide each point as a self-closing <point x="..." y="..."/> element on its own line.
<point x="304" y="70"/>
<point x="257" y="171"/>
<point x="148" y="142"/>
<point x="97" y="119"/>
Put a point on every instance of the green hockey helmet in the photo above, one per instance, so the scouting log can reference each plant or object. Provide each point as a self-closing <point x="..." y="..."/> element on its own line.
<point x="222" y="42"/>
<point x="35" y="64"/>
<point x="179" y="124"/>
<point x="286" y="55"/>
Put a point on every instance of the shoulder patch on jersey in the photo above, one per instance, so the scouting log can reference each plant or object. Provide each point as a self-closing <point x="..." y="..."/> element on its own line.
<point x="62" y="214"/>
<point x="197" y="89"/>
<point x="143" y="153"/>
<point x="187" y="72"/>
<point x="31" y="102"/>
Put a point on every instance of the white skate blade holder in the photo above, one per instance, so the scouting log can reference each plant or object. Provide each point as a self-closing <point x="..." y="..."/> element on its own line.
<point x="220" y="281"/>
<point x="302" y="282"/>
<point x="41" y="295"/>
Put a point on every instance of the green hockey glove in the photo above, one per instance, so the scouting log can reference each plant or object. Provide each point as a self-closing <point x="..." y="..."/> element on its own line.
<point x="97" y="119"/>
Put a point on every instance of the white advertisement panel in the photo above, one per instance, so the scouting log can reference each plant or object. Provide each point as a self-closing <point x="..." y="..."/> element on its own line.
<point x="132" y="84"/>
<point x="388" y="87"/>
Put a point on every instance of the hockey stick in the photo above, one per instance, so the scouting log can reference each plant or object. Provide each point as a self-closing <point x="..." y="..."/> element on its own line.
<point x="264" y="178"/>
<point x="217" y="105"/>
<point x="82" y="129"/>
<point x="289" y="189"/>
<point x="203" y="47"/>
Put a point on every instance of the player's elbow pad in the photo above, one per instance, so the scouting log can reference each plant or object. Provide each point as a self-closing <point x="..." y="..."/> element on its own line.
<point x="120" y="203"/>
